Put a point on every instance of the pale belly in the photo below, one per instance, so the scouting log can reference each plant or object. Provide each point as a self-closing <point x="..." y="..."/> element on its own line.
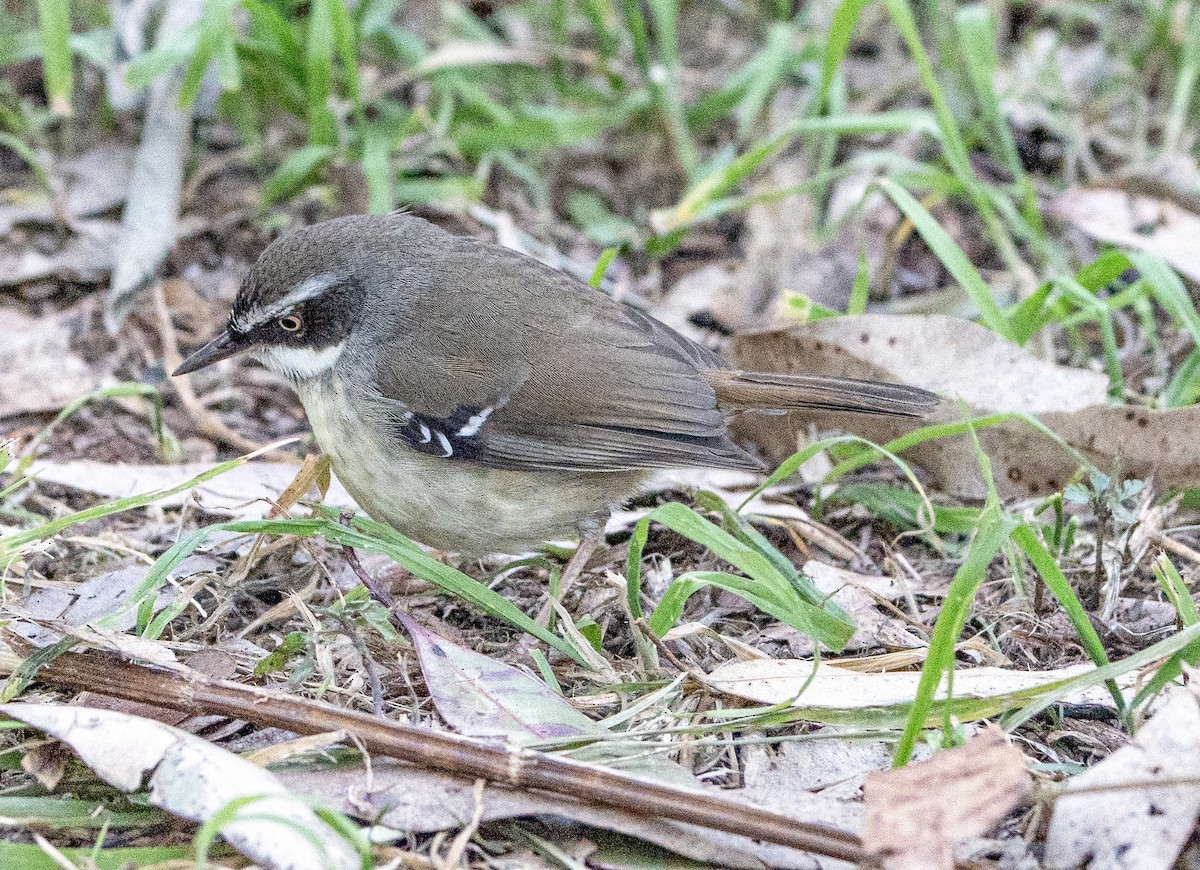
<point x="452" y="504"/>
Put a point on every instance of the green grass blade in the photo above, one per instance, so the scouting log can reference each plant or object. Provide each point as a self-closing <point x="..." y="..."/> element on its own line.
<point x="1185" y="85"/>
<point x="976" y="29"/>
<point x="377" y="169"/>
<point x="296" y="169"/>
<point x="9" y="544"/>
<point x="951" y="256"/>
<point x="1060" y="588"/>
<point x="318" y="73"/>
<point x="54" y="18"/>
<point x="1183" y="644"/>
<point x="994" y="529"/>
<point x="954" y="147"/>
<point x="837" y="42"/>
<point x="828" y="624"/>
<point x="602" y="263"/>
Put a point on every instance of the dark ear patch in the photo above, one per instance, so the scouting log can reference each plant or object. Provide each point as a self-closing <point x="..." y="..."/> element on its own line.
<point x="325" y="321"/>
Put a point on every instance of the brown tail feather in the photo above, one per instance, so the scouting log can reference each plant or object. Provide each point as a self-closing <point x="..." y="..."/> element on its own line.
<point x="768" y="391"/>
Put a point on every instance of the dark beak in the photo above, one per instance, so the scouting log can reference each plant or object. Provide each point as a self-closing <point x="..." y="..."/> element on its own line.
<point x="222" y="347"/>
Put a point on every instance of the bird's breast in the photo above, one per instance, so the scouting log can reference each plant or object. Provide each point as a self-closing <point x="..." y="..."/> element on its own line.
<point x="453" y="504"/>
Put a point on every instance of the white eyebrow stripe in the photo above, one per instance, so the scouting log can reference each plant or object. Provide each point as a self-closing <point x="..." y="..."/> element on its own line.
<point x="309" y="288"/>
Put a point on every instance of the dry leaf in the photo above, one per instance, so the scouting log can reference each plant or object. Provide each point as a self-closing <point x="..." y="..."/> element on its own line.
<point x="917" y="814"/>
<point x="855" y="593"/>
<point x="245" y="491"/>
<point x="192" y="778"/>
<point x="1116" y="816"/>
<point x="406" y="798"/>
<point x="86" y="256"/>
<point x="152" y="205"/>
<point x="482" y="697"/>
<point x="828" y="765"/>
<point x="46" y="762"/>
<point x="456" y="54"/>
<point x="1144" y="223"/>
<point x="783" y="681"/>
<point x="38" y="370"/>
<point x="958" y="358"/>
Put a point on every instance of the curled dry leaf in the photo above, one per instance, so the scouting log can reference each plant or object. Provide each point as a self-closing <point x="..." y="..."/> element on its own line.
<point x="991" y="375"/>
<point x="1122" y="813"/>
<point x="192" y="778"/>
<point x="917" y="814"/>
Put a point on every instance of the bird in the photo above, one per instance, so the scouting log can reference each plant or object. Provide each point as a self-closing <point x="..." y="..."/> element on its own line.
<point x="479" y="401"/>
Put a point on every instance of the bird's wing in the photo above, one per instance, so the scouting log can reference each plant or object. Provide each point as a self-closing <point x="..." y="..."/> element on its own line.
<point x="532" y="369"/>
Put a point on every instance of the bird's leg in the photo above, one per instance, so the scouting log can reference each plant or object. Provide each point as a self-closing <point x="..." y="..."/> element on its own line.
<point x="591" y="532"/>
<point x="377" y="592"/>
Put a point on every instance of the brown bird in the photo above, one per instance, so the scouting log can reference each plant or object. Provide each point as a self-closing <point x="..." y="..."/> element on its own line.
<point x="480" y="401"/>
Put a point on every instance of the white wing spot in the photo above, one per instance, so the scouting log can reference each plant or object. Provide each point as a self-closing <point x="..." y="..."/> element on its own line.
<point x="471" y="428"/>
<point x="425" y="434"/>
<point x="445" y="442"/>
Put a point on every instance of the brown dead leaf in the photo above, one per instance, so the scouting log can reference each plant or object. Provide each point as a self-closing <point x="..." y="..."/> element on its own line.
<point x="917" y="814"/>
<point x="38" y="370"/>
<point x="46" y="762"/>
<point x="956" y="358"/>
<point x="1144" y="223"/>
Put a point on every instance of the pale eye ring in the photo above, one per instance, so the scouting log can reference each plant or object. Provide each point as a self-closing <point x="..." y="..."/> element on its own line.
<point x="291" y="323"/>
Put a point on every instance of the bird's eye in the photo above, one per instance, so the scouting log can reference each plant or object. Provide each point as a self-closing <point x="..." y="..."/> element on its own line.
<point x="291" y="323"/>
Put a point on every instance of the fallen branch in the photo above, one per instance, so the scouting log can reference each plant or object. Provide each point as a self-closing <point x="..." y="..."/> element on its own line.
<point x="194" y="693"/>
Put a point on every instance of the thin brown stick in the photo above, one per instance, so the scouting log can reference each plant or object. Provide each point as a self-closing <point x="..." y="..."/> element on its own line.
<point x="1173" y="546"/>
<point x="195" y="693"/>
<point x="206" y="422"/>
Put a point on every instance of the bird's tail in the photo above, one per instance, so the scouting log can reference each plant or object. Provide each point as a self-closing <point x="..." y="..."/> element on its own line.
<point x="768" y="391"/>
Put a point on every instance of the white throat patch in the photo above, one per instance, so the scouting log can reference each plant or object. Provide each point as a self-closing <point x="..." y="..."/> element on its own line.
<point x="300" y="363"/>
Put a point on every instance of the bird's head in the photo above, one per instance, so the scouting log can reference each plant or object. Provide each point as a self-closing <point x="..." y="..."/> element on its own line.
<point x="301" y="301"/>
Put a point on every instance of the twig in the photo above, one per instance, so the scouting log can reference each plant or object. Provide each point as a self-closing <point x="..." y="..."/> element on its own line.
<point x="360" y="647"/>
<point x="196" y="693"/>
<point x="206" y="422"/>
<point x="1173" y="546"/>
<point x="377" y="592"/>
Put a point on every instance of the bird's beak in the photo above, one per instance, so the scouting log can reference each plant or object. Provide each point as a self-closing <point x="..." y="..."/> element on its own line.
<point x="222" y="347"/>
